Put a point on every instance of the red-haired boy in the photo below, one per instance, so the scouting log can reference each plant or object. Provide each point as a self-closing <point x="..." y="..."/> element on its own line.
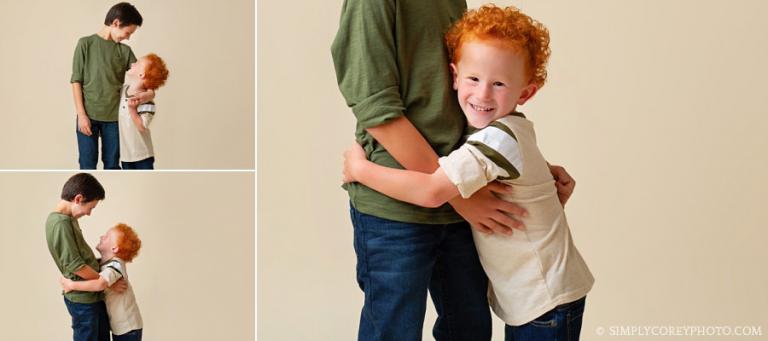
<point x="538" y="279"/>
<point x="136" y="150"/>
<point x="117" y="246"/>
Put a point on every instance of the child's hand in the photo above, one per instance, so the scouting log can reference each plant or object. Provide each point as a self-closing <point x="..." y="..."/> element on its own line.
<point x="353" y="155"/>
<point x="66" y="284"/>
<point x="84" y="124"/>
<point x="141" y="97"/>
<point x="120" y="286"/>
<point x="563" y="182"/>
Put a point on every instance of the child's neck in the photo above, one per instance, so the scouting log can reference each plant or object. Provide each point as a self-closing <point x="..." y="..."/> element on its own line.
<point x="106" y="256"/>
<point x="64" y="208"/>
<point x="105" y="33"/>
<point x="134" y="87"/>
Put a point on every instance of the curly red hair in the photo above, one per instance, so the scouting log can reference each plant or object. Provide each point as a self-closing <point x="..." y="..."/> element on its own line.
<point x="156" y="73"/>
<point x="508" y="26"/>
<point x="128" y="243"/>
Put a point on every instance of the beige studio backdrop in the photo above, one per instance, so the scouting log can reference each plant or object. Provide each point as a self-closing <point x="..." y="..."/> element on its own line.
<point x="193" y="277"/>
<point x="657" y="108"/>
<point x="205" y="117"/>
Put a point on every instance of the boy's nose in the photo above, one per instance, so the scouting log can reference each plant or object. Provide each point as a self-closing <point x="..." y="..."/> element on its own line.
<point x="485" y="91"/>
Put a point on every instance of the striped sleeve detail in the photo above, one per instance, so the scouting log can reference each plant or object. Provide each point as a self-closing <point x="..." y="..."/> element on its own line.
<point x="499" y="144"/>
<point x="116" y="269"/>
<point x="503" y="127"/>
<point x="111" y="272"/>
<point x="146" y="108"/>
<point x="115" y="265"/>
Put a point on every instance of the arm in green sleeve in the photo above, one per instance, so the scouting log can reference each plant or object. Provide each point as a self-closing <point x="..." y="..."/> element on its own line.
<point x="131" y="59"/>
<point x="64" y="248"/>
<point x="78" y="63"/>
<point x="364" y="56"/>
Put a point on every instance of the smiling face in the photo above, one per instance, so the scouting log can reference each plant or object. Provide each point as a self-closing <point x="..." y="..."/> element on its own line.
<point x="491" y="79"/>
<point x="138" y="69"/>
<point x="80" y="208"/>
<point x="118" y="33"/>
<point x="107" y="245"/>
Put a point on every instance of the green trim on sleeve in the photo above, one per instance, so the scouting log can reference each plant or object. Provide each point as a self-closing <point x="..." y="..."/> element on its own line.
<point x="498" y="159"/>
<point x="116" y="270"/>
<point x="503" y="127"/>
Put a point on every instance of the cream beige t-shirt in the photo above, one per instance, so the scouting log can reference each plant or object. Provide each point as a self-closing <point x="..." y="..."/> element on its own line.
<point x="124" y="315"/>
<point x="134" y="146"/>
<point x="535" y="269"/>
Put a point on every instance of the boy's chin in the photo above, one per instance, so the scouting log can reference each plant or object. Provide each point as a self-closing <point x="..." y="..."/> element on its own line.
<point x="478" y="123"/>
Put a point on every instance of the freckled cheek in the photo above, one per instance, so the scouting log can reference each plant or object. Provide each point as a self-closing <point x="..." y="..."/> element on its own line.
<point x="463" y="94"/>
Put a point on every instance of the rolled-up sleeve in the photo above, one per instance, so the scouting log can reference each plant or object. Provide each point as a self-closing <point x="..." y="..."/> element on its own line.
<point x="112" y="272"/>
<point x="78" y="63"/>
<point x="146" y="113"/>
<point x="364" y="56"/>
<point x="470" y="169"/>
<point x="64" y="249"/>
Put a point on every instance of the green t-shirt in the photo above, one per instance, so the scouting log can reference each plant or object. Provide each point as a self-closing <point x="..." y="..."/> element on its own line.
<point x="100" y="66"/>
<point x="391" y="60"/>
<point x="70" y="252"/>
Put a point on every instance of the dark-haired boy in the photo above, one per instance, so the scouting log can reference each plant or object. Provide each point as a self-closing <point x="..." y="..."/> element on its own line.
<point x="98" y="70"/>
<point x="74" y="257"/>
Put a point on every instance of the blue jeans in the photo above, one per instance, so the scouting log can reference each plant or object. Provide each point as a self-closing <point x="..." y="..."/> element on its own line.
<point x="88" y="146"/>
<point x="398" y="262"/>
<point x="560" y="324"/>
<point x="89" y="320"/>
<point x="148" y="163"/>
<point x="133" y="335"/>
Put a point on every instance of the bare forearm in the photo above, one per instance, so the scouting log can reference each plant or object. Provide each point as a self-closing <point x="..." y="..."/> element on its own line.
<point x="87" y="273"/>
<point x="77" y="94"/>
<point x="98" y="284"/>
<point x="136" y="119"/>
<point x="404" y="142"/>
<point x="422" y="189"/>
<point x="145" y="96"/>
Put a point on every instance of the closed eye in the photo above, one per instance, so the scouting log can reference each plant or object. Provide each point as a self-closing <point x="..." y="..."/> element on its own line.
<point x="499" y="84"/>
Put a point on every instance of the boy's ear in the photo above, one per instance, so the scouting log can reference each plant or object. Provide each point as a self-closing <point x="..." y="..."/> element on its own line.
<point x="527" y="93"/>
<point x="78" y="199"/>
<point x="455" y="74"/>
<point x="115" y="23"/>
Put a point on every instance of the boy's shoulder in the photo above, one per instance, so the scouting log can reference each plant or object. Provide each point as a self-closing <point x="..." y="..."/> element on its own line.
<point x="88" y="39"/>
<point x="513" y="119"/>
<point x="499" y="141"/>
<point x="501" y="128"/>
<point x="56" y="218"/>
<point x="115" y="264"/>
<point x="95" y="39"/>
<point x="58" y="223"/>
